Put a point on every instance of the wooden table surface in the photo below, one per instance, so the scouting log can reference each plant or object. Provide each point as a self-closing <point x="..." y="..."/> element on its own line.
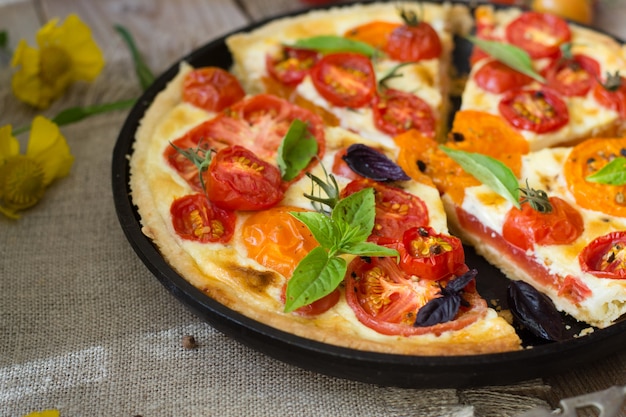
<point x="165" y="30"/>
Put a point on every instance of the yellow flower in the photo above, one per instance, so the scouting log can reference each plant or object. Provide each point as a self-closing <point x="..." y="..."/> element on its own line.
<point x="67" y="53"/>
<point x="44" y="413"/>
<point x="23" y="178"/>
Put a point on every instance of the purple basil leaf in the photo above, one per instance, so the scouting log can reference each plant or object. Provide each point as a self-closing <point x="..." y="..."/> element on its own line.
<point x="457" y="284"/>
<point x="373" y="164"/>
<point x="535" y="311"/>
<point x="438" y="310"/>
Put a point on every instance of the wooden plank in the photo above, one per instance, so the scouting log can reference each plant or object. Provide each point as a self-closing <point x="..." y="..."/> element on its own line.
<point x="262" y="9"/>
<point x="164" y="30"/>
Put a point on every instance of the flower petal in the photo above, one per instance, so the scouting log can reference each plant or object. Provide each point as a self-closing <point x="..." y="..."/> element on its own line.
<point x="9" y="146"/>
<point x="74" y="37"/>
<point x="26" y="82"/>
<point x="49" y="148"/>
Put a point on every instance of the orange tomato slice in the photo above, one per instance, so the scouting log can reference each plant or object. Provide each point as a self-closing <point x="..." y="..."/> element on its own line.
<point x="420" y="157"/>
<point x="276" y="239"/>
<point x="472" y="131"/>
<point x="586" y="158"/>
<point x="374" y="33"/>
<point x="488" y="134"/>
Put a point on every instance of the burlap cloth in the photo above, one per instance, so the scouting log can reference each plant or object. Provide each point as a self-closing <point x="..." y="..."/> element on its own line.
<point x="85" y="328"/>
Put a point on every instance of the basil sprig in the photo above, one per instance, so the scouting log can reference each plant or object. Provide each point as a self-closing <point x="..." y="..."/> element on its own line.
<point x="332" y="43"/>
<point x="345" y="232"/>
<point x="296" y="150"/>
<point x="491" y="172"/>
<point x="613" y="173"/>
<point x="508" y="54"/>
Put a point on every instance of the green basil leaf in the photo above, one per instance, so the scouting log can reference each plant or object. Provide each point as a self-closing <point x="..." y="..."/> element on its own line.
<point x="613" y="173"/>
<point x="331" y="43"/>
<point x="354" y="216"/>
<point x="75" y="114"/>
<point x="145" y="76"/>
<point x="368" y="249"/>
<point x="489" y="171"/>
<point x="296" y="150"/>
<point x="508" y="54"/>
<point x="316" y="276"/>
<point x="320" y="225"/>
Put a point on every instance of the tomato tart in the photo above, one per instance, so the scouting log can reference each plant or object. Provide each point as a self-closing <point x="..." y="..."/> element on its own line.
<point x="312" y="185"/>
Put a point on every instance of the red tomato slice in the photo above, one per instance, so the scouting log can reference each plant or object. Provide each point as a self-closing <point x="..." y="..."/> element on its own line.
<point x="386" y="299"/>
<point x="497" y="77"/>
<point x="574" y="76"/>
<point x="396" y="112"/>
<point x="258" y="123"/>
<point x="413" y="43"/>
<point x="569" y="287"/>
<point x="539" y="34"/>
<point x="540" y="111"/>
<point x="396" y="210"/>
<point x="345" y="79"/>
<point x="291" y="65"/>
<point x="211" y="88"/>
<point x="195" y="218"/>
<point x="612" y="99"/>
<point x="605" y="257"/>
<point x="238" y="180"/>
<point x="431" y="255"/>
<point x="527" y="226"/>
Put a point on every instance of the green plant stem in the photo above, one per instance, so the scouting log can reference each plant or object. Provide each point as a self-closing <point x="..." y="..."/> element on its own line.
<point x="76" y="114"/>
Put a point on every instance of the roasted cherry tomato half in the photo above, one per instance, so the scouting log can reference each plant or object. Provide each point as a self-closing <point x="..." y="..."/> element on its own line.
<point x="431" y="255"/>
<point x="211" y="88"/>
<point x="410" y="43"/>
<point x="612" y="94"/>
<point x="497" y="77"/>
<point x="539" y="111"/>
<point x="386" y="299"/>
<point x="195" y="218"/>
<point x="525" y="227"/>
<point x="572" y="76"/>
<point x="605" y="256"/>
<point x="539" y="34"/>
<point x="193" y="141"/>
<point x="345" y="79"/>
<point x="291" y="65"/>
<point x="396" y="210"/>
<point x="238" y="180"/>
<point x="397" y="111"/>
